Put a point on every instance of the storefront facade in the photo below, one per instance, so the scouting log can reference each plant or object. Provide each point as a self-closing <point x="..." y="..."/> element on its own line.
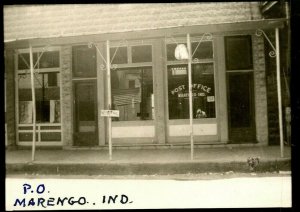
<point x="149" y="87"/>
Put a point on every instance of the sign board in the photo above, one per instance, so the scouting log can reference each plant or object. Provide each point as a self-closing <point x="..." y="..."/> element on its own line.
<point x="179" y="71"/>
<point x="210" y="98"/>
<point x="110" y="113"/>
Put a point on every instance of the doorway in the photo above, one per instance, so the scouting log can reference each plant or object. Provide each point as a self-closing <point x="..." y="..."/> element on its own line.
<point x="241" y="117"/>
<point x="85" y="113"/>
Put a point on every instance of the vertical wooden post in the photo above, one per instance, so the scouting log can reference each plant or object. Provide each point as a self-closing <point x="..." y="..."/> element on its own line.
<point x="33" y="102"/>
<point x="190" y="94"/>
<point x="109" y="98"/>
<point x="279" y="92"/>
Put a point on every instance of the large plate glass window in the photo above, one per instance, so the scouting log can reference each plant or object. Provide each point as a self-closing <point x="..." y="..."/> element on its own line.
<point x="132" y="85"/>
<point x="47" y="93"/>
<point x="202" y="82"/>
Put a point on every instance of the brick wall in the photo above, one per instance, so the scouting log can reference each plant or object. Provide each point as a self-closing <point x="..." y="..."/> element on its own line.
<point x="260" y="92"/>
<point x="66" y="92"/>
<point x="10" y="98"/>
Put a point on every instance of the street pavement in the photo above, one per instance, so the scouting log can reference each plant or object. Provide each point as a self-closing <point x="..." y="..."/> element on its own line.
<point x="147" y="161"/>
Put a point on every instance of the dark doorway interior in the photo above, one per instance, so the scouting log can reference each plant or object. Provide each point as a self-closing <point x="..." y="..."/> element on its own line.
<point x="85" y="117"/>
<point x="241" y="107"/>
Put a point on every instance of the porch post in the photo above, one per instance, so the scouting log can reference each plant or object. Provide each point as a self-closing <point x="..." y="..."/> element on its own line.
<point x="108" y="98"/>
<point x="279" y="92"/>
<point x="33" y="103"/>
<point x="190" y="94"/>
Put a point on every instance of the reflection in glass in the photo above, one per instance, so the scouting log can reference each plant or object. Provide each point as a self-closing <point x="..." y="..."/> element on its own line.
<point x="132" y="93"/>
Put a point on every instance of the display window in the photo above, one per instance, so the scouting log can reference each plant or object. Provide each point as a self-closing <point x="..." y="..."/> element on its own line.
<point x="132" y="82"/>
<point x="47" y="94"/>
<point x="132" y="93"/>
<point x="203" y="83"/>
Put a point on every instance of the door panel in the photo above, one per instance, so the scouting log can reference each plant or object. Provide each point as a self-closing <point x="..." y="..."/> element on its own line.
<point x="85" y="117"/>
<point x="241" y="107"/>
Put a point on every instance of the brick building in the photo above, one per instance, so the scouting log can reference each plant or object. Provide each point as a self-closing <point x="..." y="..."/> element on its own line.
<point x="149" y="86"/>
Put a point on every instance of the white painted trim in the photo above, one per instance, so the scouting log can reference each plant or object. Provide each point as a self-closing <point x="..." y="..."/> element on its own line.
<point x="40" y="124"/>
<point x="133" y="132"/>
<point x="39" y="70"/>
<point x="239" y="71"/>
<point x="39" y="130"/>
<point x="39" y="49"/>
<point x="43" y="143"/>
<point x="85" y="78"/>
<point x="130" y="43"/>
<point x="198" y="129"/>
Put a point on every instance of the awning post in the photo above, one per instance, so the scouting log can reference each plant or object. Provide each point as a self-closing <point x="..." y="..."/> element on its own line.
<point x="33" y="103"/>
<point x="108" y="97"/>
<point x="279" y="92"/>
<point x="190" y="94"/>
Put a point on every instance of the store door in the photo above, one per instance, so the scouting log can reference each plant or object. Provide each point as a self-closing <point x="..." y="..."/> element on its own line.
<point x="85" y="114"/>
<point x="241" y="107"/>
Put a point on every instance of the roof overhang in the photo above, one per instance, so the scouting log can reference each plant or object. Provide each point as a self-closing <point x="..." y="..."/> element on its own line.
<point x="265" y="24"/>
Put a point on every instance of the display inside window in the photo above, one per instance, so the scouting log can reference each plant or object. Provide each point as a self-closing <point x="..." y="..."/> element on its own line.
<point x="203" y="91"/>
<point x="132" y="93"/>
<point x="238" y="51"/>
<point x="141" y="54"/>
<point x="84" y="61"/>
<point x="47" y="98"/>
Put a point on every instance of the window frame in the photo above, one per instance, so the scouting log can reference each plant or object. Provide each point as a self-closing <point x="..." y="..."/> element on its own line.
<point x="129" y="44"/>
<point x="168" y="63"/>
<point x="41" y="128"/>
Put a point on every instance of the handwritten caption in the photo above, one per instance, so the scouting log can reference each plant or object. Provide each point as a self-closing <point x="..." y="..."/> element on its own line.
<point x="41" y="201"/>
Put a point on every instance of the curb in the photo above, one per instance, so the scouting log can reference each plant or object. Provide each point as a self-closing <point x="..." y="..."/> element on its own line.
<point x="144" y="168"/>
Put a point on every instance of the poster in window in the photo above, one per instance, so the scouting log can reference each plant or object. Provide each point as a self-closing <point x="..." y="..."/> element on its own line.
<point x="25" y="112"/>
<point x="54" y="111"/>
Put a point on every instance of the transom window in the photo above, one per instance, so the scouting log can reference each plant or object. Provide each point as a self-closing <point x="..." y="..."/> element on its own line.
<point x="131" y="54"/>
<point x="238" y="52"/>
<point x="84" y="61"/>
